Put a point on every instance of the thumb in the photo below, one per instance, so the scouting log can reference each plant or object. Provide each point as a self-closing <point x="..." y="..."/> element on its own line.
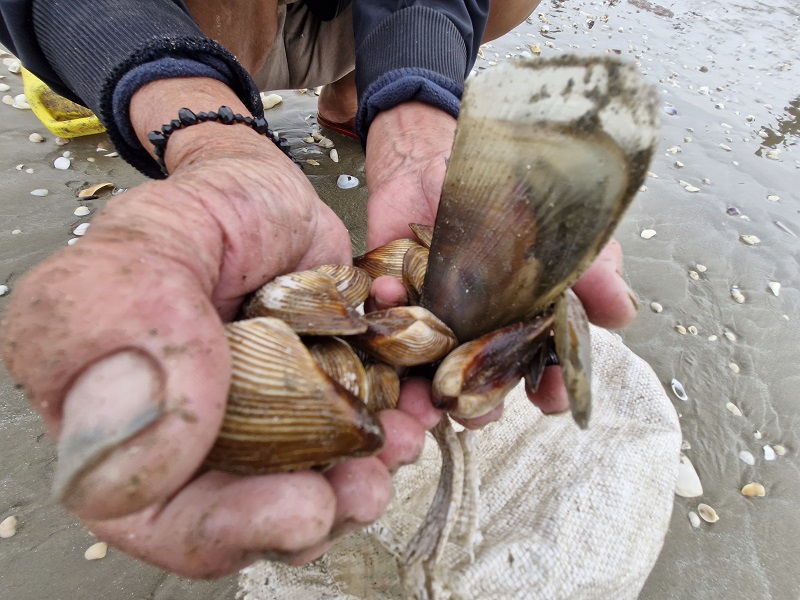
<point x="118" y="346"/>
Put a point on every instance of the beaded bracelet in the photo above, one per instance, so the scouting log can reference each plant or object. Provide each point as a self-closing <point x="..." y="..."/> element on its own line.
<point x="226" y="116"/>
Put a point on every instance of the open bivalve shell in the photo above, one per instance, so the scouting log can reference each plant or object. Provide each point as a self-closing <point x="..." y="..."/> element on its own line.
<point x="284" y="413"/>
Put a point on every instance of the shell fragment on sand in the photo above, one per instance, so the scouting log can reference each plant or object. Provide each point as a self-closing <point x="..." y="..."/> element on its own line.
<point x="754" y="490"/>
<point x="656" y="307"/>
<point x="81" y="211"/>
<point x="3" y="289"/>
<point x="707" y="513"/>
<point x="270" y="100"/>
<point x="39" y="192"/>
<point x="96" y="551"/>
<point x="750" y="240"/>
<point x="694" y="519"/>
<point x="62" y="163"/>
<point x="774" y="287"/>
<point x="769" y="452"/>
<point x="688" y="484"/>
<point x="747" y="457"/>
<point x="81" y="229"/>
<point x="678" y="390"/>
<point x="347" y="182"/>
<point x="36" y="138"/>
<point x="734" y="410"/>
<point x="8" y="527"/>
<point x="94" y="190"/>
<point x="648" y="233"/>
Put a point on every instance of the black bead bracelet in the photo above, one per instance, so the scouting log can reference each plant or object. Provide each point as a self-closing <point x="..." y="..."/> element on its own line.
<point x="226" y="116"/>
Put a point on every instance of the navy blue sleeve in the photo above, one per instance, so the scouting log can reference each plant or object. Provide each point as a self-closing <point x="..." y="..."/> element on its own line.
<point x="113" y="41"/>
<point x="414" y="50"/>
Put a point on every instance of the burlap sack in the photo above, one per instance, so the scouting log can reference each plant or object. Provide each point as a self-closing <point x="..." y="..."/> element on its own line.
<point x="563" y="513"/>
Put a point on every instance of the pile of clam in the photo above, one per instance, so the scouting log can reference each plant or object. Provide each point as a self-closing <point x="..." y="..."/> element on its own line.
<point x="310" y="371"/>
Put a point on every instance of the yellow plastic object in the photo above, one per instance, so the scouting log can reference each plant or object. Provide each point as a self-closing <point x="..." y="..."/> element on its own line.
<point x="62" y="117"/>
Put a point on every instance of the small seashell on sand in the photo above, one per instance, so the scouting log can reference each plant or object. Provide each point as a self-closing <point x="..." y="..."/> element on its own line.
<point x="733" y="409"/>
<point x="81" y="211"/>
<point x="725" y="147"/>
<point x="8" y="527"/>
<point x="317" y="135"/>
<point x="334" y="155"/>
<point x="692" y="329"/>
<point x="757" y="434"/>
<point x="3" y="289"/>
<point x="708" y="514"/>
<point x="14" y="66"/>
<point x="779" y="449"/>
<point x="754" y="490"/>
<point x="747" y="457"/>
<point x="325" y="143"/>
<point x="111" y="155"/>
<point x="16" y="231"/>
<point x="8" y="99"/>
<point x="309" y="140"/>
<point x="685" y="445"/>
<point x="29" y="171"/>
<point x="750" y="240"/>
<point x="680" y="329"/>
<point x="35" y="138"/>
<point x="94" y="190"/>
<point x="701" y="268"/>
<point x="694" y="519"/>
<point x="96" y="551"/>
<point x="643" y="188"/>
<point x="81" y="229"/>
<point x="694" y="275"/>
<point x="41" y="192"/>
<point x="730" y="335"/>
<point x="677" y="389"/>
<point x="734" y="367"/>
<point x="656" y="307"/>
<point x="4" y="87"/>
<point x="737" y="295"/>
<point x="678" y="164"/>
<point x="712" y="338"/>
<point x="769" y="452"/>
<point x="719" y="106"/>
<point x="775" y="287"/>
<point x="733" y="211"/>
<point x="312" y="162"/>
<point x="675" y="150"/>
<point x="61" y="163"/>
<point x="270" y="100"/>
<point x="773" y="154"/>
<point x="706" y="181"/>
<point x="62" y="141"/>
<point x="691" y="188"/>
<point x="347" y="182"/>
<point x="687" y="139"/>
<point x="67" y="154"/>
<point x="72" y="241"/>
<point x="651" y="174"/>
<point x="773" y="198"/>
<point x="648" y="233"/>
<point x="688" y="484"/>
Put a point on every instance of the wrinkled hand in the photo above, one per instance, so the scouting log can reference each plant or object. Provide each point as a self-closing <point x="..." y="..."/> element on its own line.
<point x="118" y="342"/>
<point x="406" y="152"/>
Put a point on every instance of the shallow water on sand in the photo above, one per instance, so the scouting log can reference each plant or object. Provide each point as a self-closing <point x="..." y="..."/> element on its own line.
<point x="714" y="65"/>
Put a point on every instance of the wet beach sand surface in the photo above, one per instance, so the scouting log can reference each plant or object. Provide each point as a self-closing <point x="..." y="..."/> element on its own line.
<point x="728" y="166"/>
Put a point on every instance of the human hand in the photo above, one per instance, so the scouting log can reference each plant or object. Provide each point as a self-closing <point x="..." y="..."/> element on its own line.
<point x="118" y="343"/>
<point x="406" y="151"/>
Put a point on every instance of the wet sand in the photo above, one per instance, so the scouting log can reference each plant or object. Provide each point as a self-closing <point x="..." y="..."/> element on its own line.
<point x="716" y="66"/>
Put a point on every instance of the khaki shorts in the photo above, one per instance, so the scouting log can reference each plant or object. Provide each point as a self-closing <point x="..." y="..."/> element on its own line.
<point x="308" y="52"/>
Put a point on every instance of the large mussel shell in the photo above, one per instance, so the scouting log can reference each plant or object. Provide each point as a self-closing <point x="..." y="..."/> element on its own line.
<point x="309" y="302"/>
<point x="284" y="413"/>
<point x="541" y="171"/>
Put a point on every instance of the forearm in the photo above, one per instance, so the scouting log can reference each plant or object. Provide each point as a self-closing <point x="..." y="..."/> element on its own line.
<point x="419" y="50"/>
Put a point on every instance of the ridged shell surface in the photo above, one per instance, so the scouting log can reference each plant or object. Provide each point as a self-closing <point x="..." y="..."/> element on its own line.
<point x="384" y="386"/>
<point x="309" y="302"/>
<point x="386" y="259"/>
<point x="340" y="362"/>
<point x="352" y="282"/>
<point x="283" y="412"/>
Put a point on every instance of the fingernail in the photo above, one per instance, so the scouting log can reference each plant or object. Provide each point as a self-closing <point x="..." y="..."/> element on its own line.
<point x="112" y="401"/>
<point x="634" y="299"/>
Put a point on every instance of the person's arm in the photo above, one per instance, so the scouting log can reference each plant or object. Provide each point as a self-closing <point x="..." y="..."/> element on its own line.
<point x="115" y="48"/>
<point x="414" y="51"/>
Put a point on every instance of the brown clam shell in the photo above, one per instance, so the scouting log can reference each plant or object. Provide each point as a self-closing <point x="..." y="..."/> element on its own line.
<point x="284" y="413"/>
<point x="340" y="362"/>
<point x="386" y="259"/>
<point x="384" y="386"/>
<point x="476" y="376"/>
<point x="424" y="233"/>
<point x="309" y="302"/>
<point x="415" y="263"/>
<point x="405" y="336"/>
<point x="574" y="349"/>
<point x="352" y="282"/>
